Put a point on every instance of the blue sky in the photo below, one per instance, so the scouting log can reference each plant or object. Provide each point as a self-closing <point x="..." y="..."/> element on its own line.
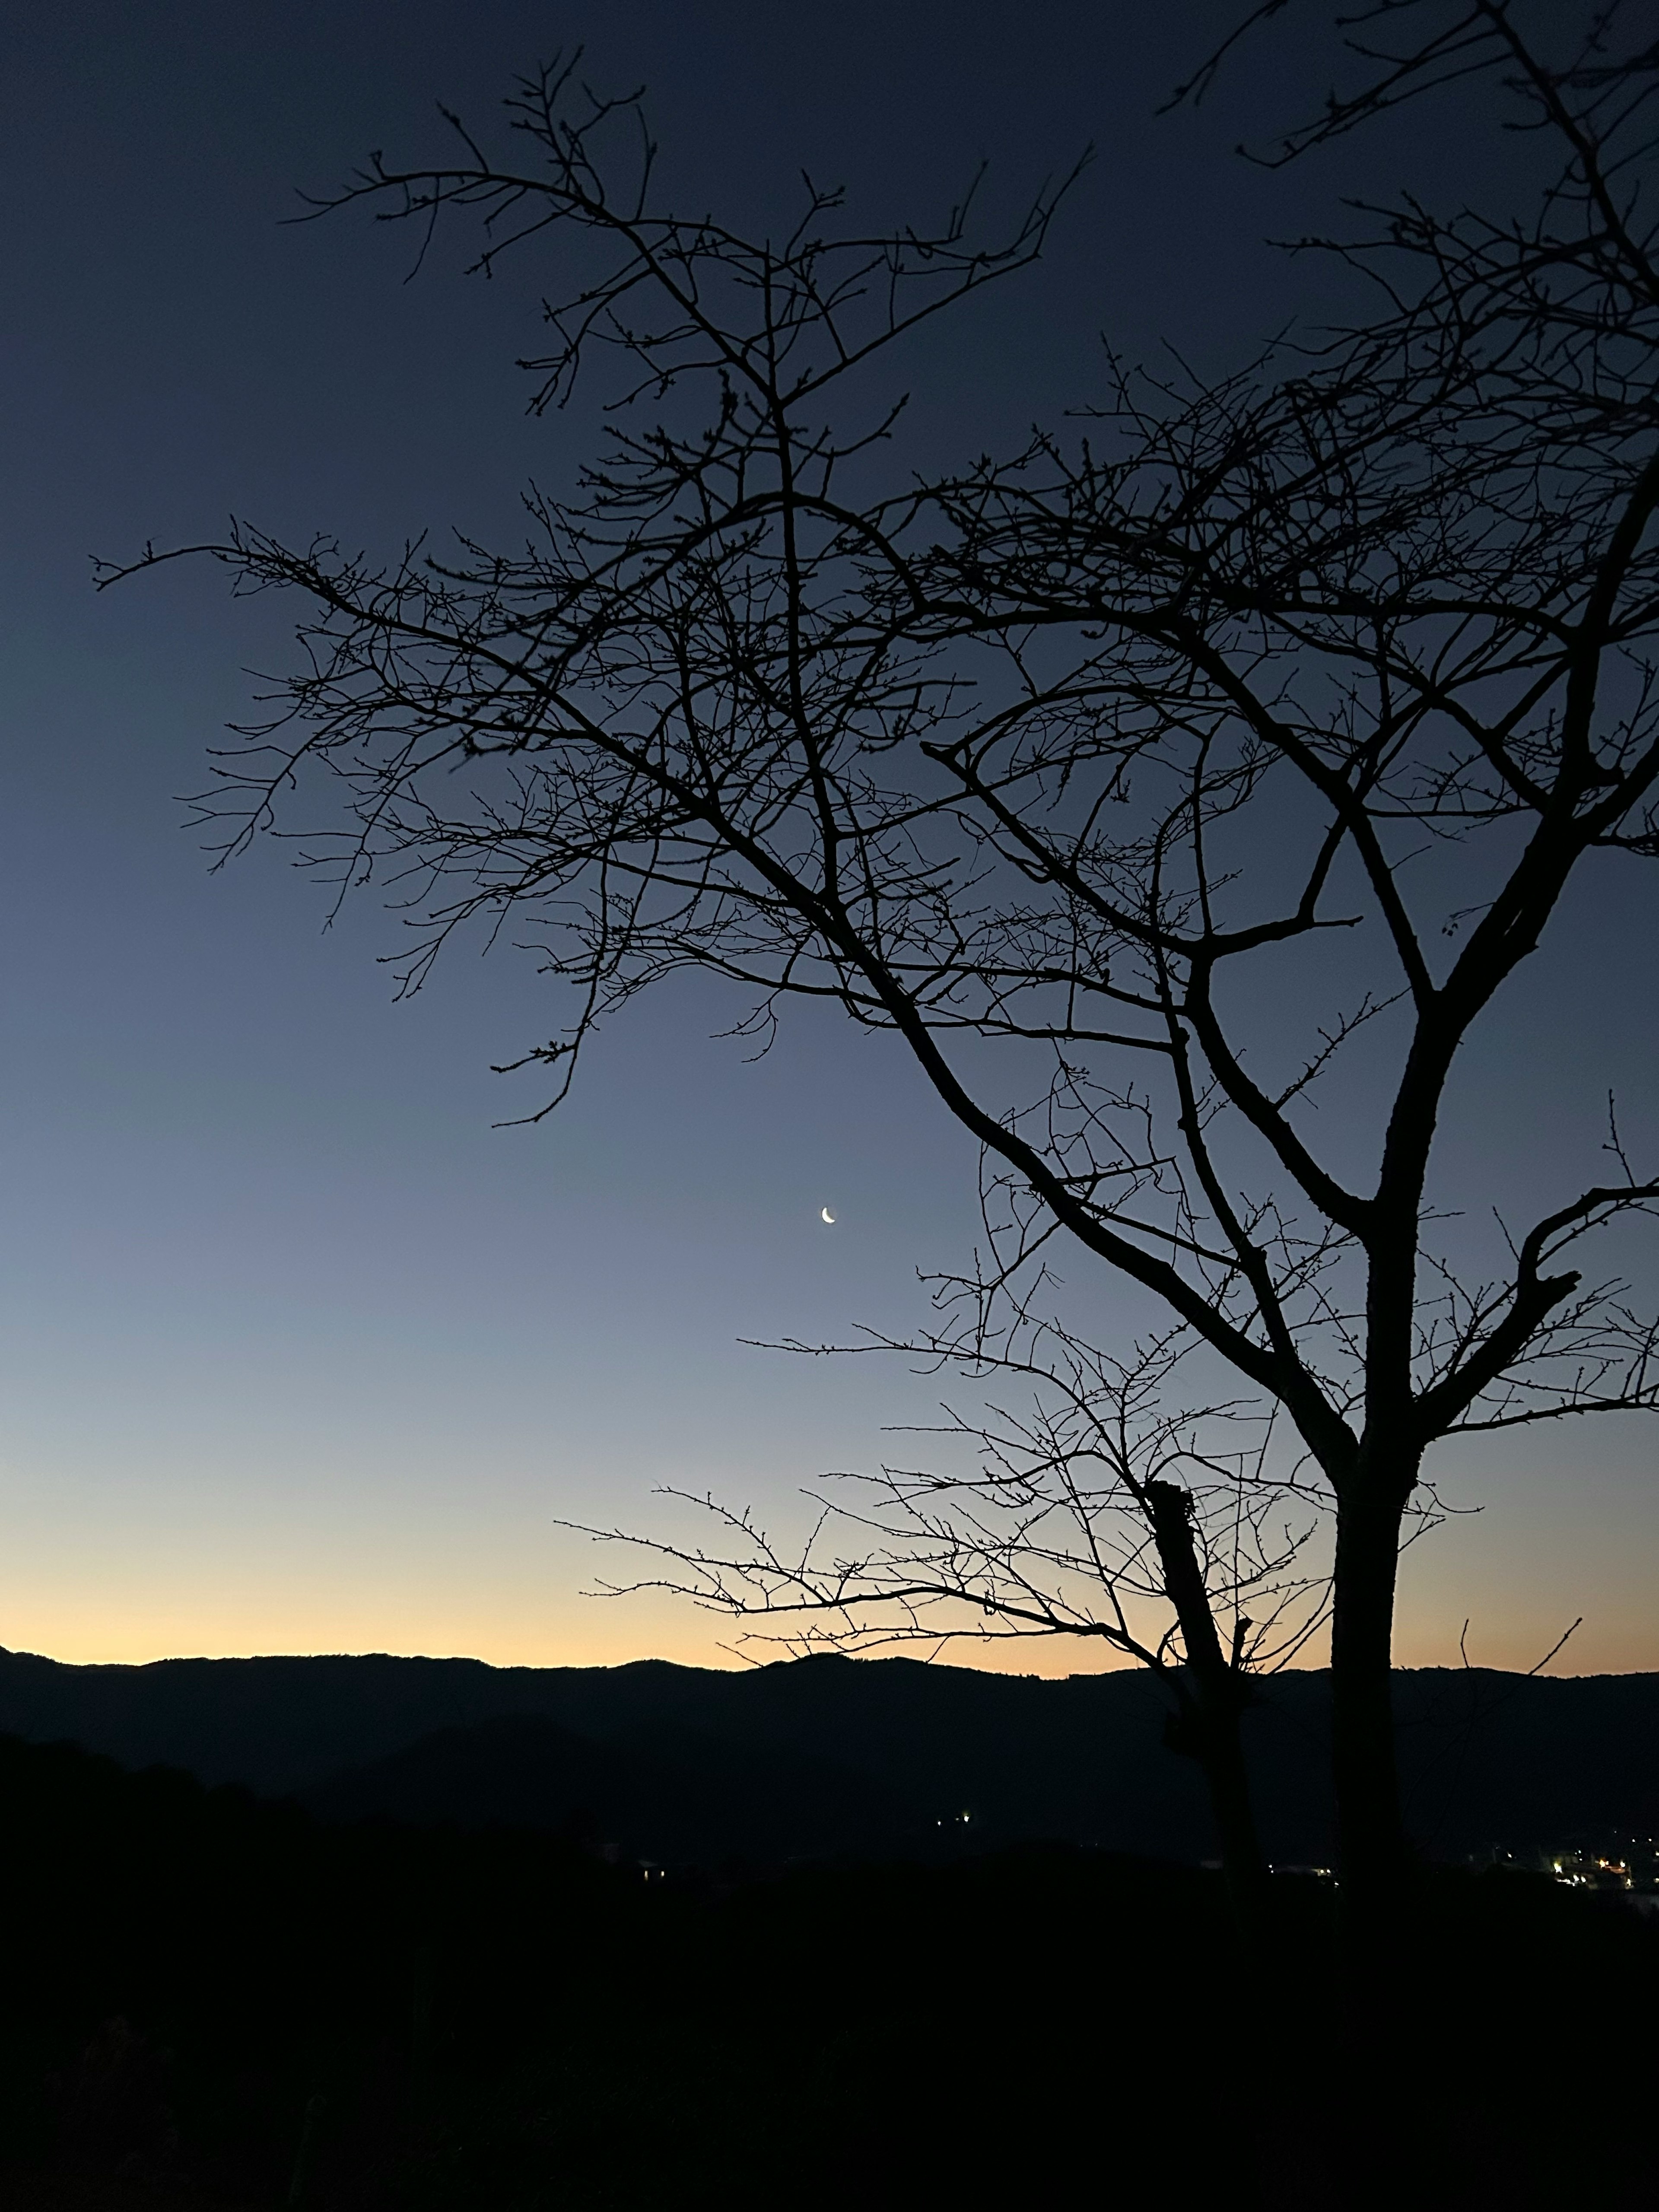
<point x="298" y="1351"/>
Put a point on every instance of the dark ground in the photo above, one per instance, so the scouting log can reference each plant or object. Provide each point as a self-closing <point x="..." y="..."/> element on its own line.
<point x="215" y="2004"/>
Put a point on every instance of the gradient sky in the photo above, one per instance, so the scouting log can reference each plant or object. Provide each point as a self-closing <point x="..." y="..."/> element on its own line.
<point x="297" y="1352"/>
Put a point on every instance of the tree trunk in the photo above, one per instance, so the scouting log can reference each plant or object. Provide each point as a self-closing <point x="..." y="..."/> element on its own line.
<point x="1221" y="1754"/>
<point x="1212" y="1700"/>
<point x="1370" y="2014"/>
<point x="1363" y="1769"/>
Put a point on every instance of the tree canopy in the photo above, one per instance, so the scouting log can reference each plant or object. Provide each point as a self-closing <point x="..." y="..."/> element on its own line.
<point x="1309" y="688"/>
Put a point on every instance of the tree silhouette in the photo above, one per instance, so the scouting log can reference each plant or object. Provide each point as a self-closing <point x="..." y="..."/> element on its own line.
<point x="1099" y="1503"/>
<point x="1292" y="699"/>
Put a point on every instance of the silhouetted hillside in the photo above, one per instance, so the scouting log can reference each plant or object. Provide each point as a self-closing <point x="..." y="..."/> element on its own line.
<point x="832" y="1755"/>
<point x="669" y="1797"/>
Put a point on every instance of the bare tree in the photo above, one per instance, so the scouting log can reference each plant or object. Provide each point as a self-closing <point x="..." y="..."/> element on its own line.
<point x="1305" y="692"/>
<point x="1088" y="1500"/>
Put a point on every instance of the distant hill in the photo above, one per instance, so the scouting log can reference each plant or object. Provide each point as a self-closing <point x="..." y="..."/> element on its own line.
<point x="672" y="1797"/>
<point x="897" y="1744"/>
<point x="833" y="1755"/>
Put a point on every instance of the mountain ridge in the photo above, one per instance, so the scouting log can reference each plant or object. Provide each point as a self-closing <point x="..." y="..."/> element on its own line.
<point x="830" y="1752"/>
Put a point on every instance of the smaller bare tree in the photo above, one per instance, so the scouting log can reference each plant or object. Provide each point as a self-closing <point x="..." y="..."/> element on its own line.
<point x="1090" y="1495"/>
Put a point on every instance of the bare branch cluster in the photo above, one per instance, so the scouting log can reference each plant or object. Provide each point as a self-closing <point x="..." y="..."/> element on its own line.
<point x="1046" y="1527"/>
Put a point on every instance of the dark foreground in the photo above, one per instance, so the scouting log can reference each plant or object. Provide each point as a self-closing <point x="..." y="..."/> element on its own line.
<point x="212" y="2003"/>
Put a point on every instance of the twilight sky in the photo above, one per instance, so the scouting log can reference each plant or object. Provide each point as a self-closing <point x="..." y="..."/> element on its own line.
<point x="297" y="1352"/>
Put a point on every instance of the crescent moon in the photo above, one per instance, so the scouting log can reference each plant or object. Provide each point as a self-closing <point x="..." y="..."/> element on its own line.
<point x="825" y="1214"/>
